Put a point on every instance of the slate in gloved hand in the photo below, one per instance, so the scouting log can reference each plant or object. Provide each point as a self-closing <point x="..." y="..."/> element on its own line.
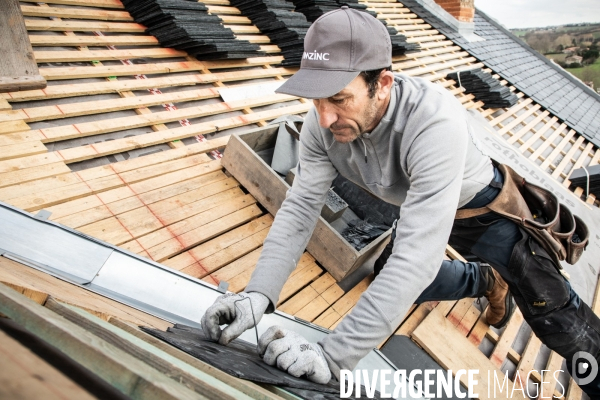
<point x="235" y="310"/>
<point x="294" y="354"/>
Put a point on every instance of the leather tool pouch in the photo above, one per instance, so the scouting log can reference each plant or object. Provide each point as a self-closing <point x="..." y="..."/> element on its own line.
<point x="537" y="210"/>
<point x="578" y="242"/>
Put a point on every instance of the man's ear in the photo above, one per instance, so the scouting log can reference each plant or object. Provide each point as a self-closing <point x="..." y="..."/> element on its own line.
<point x="386" y="80"/>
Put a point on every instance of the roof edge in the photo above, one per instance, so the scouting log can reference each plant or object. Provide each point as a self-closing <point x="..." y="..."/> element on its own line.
<point x="536" y="53"/>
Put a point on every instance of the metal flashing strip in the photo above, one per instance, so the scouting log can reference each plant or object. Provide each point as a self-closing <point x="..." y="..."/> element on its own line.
<point x="43" y="214"/>
<point x="129" y="278"/>
<point x="243" y="92"/>
<point x="41" y="243"/>
<point x="44" y="268"/>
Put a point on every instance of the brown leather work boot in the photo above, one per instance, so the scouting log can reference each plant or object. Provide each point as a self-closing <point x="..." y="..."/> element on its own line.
<point x="501" y="304"/>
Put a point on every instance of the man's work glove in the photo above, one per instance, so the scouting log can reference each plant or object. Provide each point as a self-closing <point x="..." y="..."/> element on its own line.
<point x="294" y="354"/>
<point x="235" y="310"/>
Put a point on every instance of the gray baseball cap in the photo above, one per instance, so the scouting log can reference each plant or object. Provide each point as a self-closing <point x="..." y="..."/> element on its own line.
<point x="337" y="47"/>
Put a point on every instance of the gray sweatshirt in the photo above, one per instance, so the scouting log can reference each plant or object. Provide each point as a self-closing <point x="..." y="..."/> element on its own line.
<point x="422" y="157"/>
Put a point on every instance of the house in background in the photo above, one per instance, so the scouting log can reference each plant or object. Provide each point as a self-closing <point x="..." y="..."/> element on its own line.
<point x="570" y="50"/>
<point x="573" y="60"/>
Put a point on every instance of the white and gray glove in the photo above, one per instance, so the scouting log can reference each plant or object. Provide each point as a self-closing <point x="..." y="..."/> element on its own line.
<point x="235" y="310"/>
<point x="294" y="354"/>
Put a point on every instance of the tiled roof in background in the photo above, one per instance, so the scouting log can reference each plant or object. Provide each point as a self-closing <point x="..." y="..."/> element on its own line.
<point x="529" y="71"/>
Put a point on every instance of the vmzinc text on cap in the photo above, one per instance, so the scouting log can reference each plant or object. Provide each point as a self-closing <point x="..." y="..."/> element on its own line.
<point x="417" y="383"/>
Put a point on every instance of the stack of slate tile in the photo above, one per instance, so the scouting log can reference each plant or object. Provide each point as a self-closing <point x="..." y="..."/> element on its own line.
<point x="360" y="233"/>
<point x="313" y="9"/>
<point x="186" y="25"/>
<point x="366" y="206"/>
<point x="357" y="6"/>
<point x="581" y="178"/>
<point x="485" y="88"/>
<point x="277" y="20"/>
<point x="399" y="44"/>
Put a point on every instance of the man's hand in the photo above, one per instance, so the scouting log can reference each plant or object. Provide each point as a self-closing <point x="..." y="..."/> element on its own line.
<point x="235" y="310"/>
<point x="294" y="354"/>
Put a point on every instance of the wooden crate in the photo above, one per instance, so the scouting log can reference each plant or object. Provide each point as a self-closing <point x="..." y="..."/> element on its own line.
<point x="18" y="69"/>
<point x="326" y="245"/>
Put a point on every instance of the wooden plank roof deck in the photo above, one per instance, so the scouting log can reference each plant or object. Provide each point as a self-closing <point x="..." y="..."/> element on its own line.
<point x="178" y="206"/>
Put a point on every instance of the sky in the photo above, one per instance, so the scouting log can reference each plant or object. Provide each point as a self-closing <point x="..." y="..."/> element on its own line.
<point x="538" y="13"/>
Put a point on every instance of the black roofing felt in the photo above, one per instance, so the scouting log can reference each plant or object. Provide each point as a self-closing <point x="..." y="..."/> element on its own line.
<point x="577" y="105"/>
<point x="241" y="359"/>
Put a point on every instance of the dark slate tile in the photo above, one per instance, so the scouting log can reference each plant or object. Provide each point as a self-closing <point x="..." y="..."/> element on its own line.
<point x="552" y="99"/>
<point x="588" y="116"/>
<point x="578" y="125"/>
<point x="538" y="88"/>
<point x="568" y="112"/>
<point x="589" y="136"/>
<point x="553" y="109"/>
<point x="559" y="107"/>
<point x="588" y="104"/>
<point x="586" y="119"/>
<point x="546" y="92"/>
<point x="585" y="125"/>
<point x="580" y="128"/>
<point x="578" y="114"/>
<point x="515" y="79"/>
<point x="594" y="111"/>
<point x="577" y="101"/>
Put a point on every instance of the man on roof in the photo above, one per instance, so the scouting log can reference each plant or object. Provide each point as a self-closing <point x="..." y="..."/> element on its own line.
<point x="408" y="142"/>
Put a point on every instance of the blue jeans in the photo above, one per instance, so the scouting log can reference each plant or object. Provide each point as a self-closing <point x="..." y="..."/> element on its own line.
<point x="550" y="306"/>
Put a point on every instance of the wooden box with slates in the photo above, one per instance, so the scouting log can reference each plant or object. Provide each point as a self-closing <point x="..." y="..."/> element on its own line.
<point x="18" y="69"/>
<point x="326" y="245"/>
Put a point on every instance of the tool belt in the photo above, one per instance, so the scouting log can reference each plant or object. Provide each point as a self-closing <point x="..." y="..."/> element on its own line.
<point x="563" y="235"/>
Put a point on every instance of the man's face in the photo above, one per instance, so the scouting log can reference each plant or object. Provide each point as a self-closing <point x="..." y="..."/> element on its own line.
<point x="350" y="112"/>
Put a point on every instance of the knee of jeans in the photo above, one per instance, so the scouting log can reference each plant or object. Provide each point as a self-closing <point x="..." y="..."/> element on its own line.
<point x="567" y="344"/>
<point x="569" y="330"/>
<point x="535" y="280"/>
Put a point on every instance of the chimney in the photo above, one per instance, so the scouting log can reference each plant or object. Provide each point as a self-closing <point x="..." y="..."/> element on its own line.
<point x="462" y="10"/>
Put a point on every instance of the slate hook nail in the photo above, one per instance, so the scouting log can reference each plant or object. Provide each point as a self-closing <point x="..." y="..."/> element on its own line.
<point x="254" y="319"/>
